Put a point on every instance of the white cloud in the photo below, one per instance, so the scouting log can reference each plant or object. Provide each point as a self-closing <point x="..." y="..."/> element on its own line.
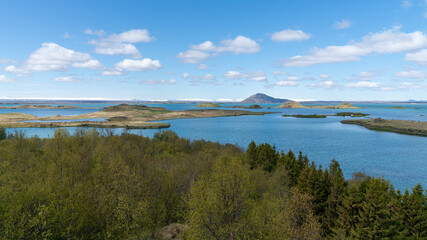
<point x="193" y="56"/>
<point x="199" y="53"/>
<point x="388" y="41"/>
<point x="91" y="64"/>
<point x="420" y="57"/>
<point x="257" y="77"/>
<point x="202" y="66"/>
<point x="323" y="84"/>
<point x="251" y="76"/>
<point x="52" y="57"/>
<point x="416" y="75"/>
<point x="4" y="61"/>
<point x="112" y="72"/>
<point x="207" y="76"/>
<point x="159" y="82"/>
<point x="343" y="24"/>
<point x="142" y="65"/>
<point x="67" y="79"/>
<point x="239" y="45"/>
<point x="290" y="35"/>
<point x="99" y="33"/>
<point x="367" y="75"/>
<point x="363" y="84"/>
<point x="4" y="78"/>
<point x="292" y="78"/>
<point x="204" y="46"/>
<point x="121" y="44"/>
<point x="234" y="75"/>
<point x="286" y="83"/>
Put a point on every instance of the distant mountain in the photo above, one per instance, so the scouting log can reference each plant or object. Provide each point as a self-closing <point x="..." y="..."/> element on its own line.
<point x="262" y="98"/>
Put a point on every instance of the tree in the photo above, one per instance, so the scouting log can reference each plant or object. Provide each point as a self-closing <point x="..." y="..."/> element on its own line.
<point x="300" y="222"/>
<point x="219" y="203"/>
<point x="3" y="134"/>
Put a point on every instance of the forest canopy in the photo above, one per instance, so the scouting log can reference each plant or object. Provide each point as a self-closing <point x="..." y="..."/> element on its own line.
<point x="98" y="185"/>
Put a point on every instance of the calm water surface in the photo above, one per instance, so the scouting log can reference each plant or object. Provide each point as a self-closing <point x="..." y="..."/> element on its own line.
<point x="399" y="158"/>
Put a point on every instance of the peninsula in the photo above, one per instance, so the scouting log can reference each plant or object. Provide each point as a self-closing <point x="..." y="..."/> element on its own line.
<point x="119" y="116"/>
<point x="398" y="126"/>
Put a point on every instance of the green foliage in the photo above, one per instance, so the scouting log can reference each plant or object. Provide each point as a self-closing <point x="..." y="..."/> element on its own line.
<point x="97" y="185"/>
<point x="3" y="134"/>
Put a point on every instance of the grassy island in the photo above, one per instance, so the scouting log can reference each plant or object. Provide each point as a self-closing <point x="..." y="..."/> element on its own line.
<point x="397" y="126"/>
<point x="119" y="116"/>
<point x="208" y="105"/>
<point x="255" y="106"/>
<point x="340" y="114"/>
<point x="299" y="105"/>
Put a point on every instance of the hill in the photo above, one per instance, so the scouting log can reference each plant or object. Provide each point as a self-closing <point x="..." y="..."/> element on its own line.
<point x="263" y="98"/>
<point x="291" y="105"/>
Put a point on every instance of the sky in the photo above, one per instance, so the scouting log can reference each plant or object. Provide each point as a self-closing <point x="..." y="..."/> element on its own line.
<point x="214" y="50"/>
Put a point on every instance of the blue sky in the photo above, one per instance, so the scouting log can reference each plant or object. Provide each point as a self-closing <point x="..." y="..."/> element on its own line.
<point x="156" y="50"/>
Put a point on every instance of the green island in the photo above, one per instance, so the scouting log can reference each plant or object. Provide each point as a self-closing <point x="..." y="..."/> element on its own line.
<point x="99" y="185"/>
<point x="340" y="114"/>
<point x="398" y="126"/>
<point x="255" y="106"/>
<point x="299" y="105"/>
<point x="208" y="105"/>
<point x="119" y="116"/>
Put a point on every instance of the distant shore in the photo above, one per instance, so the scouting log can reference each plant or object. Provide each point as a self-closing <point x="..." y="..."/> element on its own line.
<point x="119" y="116"/>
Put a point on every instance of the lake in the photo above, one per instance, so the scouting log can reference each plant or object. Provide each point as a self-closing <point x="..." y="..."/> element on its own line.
<point x="400" y="158"/>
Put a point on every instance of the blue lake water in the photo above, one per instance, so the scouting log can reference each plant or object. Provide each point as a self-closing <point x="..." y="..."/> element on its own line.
<point x="400" y="158"/>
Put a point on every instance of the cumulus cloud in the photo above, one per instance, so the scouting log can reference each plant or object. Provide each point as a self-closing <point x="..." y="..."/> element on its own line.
<point x="415" y="75"/>
<point x="201" y="79"/>
<point x="68" y="79"/>
<point x="159" y="82"/>
<point x="367" y="75"/>
<point x="141" y="65"/>
<point x="91" y="64"/>
<point x="202" y="66"/>
<point x="185" y="75"/>
<point x="286" y="83"/>
<point x="198" y="53"/>
<point x="343" y="24"/>
<point x="419" y="57"/>
<point x="388" y="41"/>
<point x="112" y="72"/>
<point x="53" y="57"/>
<point x="363" y="84"/>
<point x="290" y="35"/>
<point x="122" y="44"/>
<point x="324" y="84"/>
<point x="98" y="33"/>
<point x="4" y="79"/>
<point x="193" y="56"/>
<point x="251" y="76"/>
